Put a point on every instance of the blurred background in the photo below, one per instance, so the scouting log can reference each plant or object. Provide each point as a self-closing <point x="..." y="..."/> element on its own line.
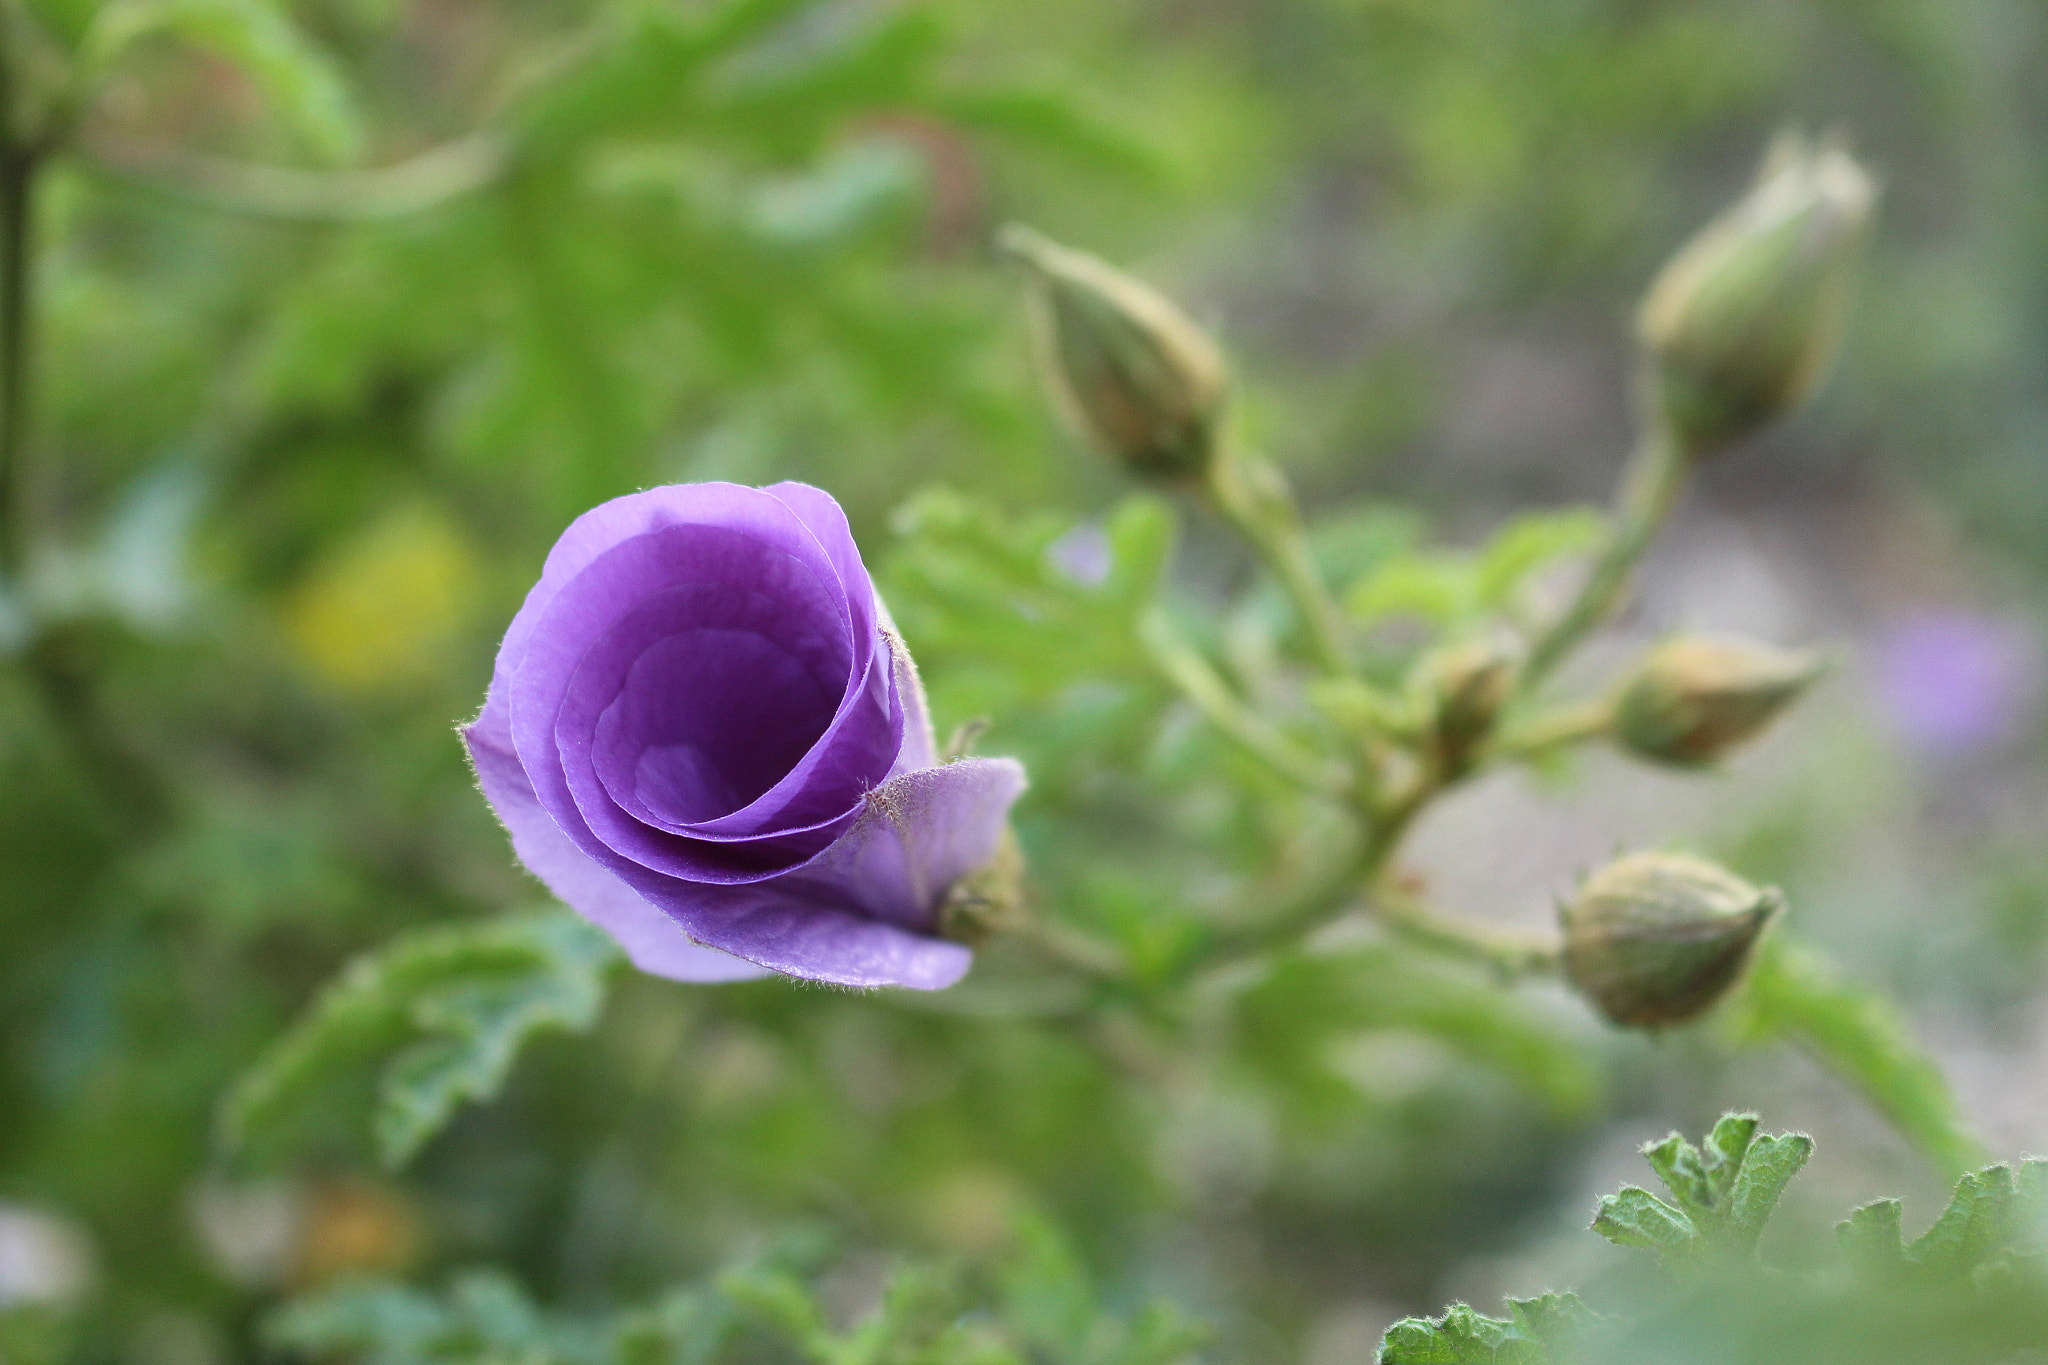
<point x="345" y="308"/>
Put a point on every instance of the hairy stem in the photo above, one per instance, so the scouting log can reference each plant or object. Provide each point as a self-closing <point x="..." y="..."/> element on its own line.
<point x="1650" y="487"/>
<point x="411" y="186"/>
<point x="1254" y="498"/>
<point x="1188" y="671"/>
<point x="1553" y="730"/>
<point x="1508" y="955"/>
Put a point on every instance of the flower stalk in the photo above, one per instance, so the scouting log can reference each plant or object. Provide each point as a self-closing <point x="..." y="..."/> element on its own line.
<point x="1252" y="495"/>
<point x="1655" y="476"/>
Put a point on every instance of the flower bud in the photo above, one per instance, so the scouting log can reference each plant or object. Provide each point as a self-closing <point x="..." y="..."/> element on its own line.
<point x="1656" y="938"/>
<point x="1133" y="375"/>
<point x="1465" y="687"/>
<point x="1697" y="697"/>
<point x="1744" y="321"/>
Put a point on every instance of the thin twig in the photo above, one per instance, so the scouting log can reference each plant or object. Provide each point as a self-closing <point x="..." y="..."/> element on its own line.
<point x="1508" y="955"/>
<point x="1655" y="476"/>
<point x="1254" y="498"/>
<point x="1553" y="730"/>
<point x="411" y="186"/>
<point x="1187" y="670"/>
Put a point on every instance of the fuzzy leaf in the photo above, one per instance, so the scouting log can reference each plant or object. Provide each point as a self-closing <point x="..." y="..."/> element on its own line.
<point x="1725" y="1149"/>
<point x="1767" y="1167"/>
<point x="1872" y="1236"/>
<point x="1633" y="1217"/>
<point x="1559" y="1322"/>
<point x="440" y="1013"/>
<point x="1679" y="1165"/>
<point x="1973" y="1229"/>
<point x="1459" y="1337"/>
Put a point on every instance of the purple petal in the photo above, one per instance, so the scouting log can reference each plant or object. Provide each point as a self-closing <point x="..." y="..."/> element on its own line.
<point x="653" y="942"/>
<point x="920" y="745"/>
<point x="862" y="914"/>
<point x="918" y="834"/>
<point x="784" y="927"/>
<point x="766" y="576"/>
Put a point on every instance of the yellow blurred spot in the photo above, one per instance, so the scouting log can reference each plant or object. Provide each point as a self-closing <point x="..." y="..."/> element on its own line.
<point x="971" y="1211"/>
<point x="380" y="610"/>
<point x="356" y="1226"/>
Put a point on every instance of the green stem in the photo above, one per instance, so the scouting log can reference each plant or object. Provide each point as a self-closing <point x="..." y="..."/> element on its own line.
<point x="18" y="166"/>
<point x="1553" y="730"/>
<point x="1252" y="495"/>
<point x="411" y="186"/>
<point x="1509" y="956"/>
<point x="1650" y="488"/>
<point x="1330" y="896"/>
<point x="1071" y="948"/>
<point x="1187" y="670"/>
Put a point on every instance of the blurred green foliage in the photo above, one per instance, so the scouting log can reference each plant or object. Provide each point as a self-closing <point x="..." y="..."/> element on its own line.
<point x="345" y="307"/>
<point x="1968" y="1288"/>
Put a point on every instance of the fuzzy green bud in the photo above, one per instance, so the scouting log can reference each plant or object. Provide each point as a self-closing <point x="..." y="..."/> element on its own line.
<point x="1656" y="938"/>
<point x="1697" y="697"/>
<point x="1464" y="688"/>
<point x="1744" y="322"/>
<point x="1134" y="376"/>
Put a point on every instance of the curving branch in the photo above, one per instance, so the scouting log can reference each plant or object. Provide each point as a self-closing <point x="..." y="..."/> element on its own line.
<point x="421" y="182"/>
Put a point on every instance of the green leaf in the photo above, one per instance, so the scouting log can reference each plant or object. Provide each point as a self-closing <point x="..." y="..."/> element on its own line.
<point x="1679" y="1165"/>
<point x="1451" y="587"/>
<point x="1729" y="1189"/>
<point x="777" y="1297"/>
<point x="1767" y="1167"/>
<point x="1004" y="611"/>
<point x="1381" y="987"/>
<point x="1530" y="544"/>
<point x="1633" y="1217"/>
<point x="1872" y="1236"/>
<point x="1459" y="1337"/>
<point x="259" y="37"/>
<point x="1054" y="121"/>
<point x="1794" y="995"/>
<point x="440" y="1013"/>
<point x="1559" y="1322"/>
<point x="1975" y="1228"/>
<point x="1725" y="1149"/>
<point x="1441" y="588"/>
<point x="1551" y="1327"/>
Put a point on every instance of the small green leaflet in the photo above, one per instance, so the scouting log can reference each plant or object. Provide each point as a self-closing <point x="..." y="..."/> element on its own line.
<point x="441" y="1013"/>
<point x="1973" y="1278"/>
<point x="1994" y="1215"/>
<point x="1725" y="1191"/>
<point x="1041" y="1309"/>
<point x="1541" y="1331"/>
<point x="1448" y="588"/>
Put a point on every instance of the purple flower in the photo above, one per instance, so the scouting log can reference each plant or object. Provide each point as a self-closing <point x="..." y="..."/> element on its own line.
<point x="1955" y="680"/>
<point x="704" y="734"/>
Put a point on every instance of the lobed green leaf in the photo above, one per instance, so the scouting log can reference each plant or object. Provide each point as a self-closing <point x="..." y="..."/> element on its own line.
<point x="1633" y="1217"/>
<point x="440" y="1014"/>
